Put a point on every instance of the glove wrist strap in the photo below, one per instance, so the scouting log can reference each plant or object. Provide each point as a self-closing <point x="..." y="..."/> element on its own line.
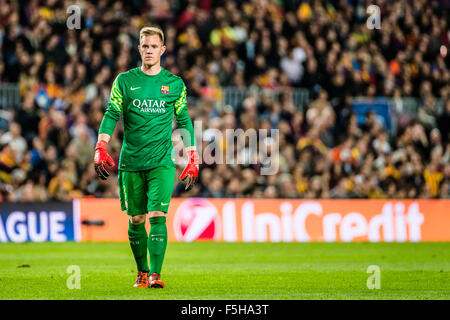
<point x="102" y="144"/>
<point x="193" y="156"/>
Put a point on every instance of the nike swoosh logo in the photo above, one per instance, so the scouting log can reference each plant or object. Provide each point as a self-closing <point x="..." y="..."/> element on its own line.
<point x="134" y="88"/>
<point x="164" y="204"/>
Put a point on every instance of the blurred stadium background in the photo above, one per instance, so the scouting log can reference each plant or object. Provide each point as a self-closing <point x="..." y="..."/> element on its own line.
<point x="371" y="107"/>
<point x="363" y="115"/>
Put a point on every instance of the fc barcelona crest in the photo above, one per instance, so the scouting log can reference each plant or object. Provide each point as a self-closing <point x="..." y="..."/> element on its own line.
<point x="165" y="89"/>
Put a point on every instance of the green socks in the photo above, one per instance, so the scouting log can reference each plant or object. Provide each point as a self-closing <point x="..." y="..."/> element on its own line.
<point x="157" y="243"/>
<point x="138" y="242"/>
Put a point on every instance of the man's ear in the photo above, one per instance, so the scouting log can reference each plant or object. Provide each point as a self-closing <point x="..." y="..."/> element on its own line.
<point x="163" y="50"/>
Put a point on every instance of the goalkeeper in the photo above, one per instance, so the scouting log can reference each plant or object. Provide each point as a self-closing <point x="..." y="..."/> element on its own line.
<point x="147" y="98"/>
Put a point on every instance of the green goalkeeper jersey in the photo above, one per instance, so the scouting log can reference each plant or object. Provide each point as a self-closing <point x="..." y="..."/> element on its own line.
<point x="147" y="104"/>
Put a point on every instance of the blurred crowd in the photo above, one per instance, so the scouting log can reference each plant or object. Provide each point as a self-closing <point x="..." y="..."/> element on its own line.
<point x="65" y="76"/>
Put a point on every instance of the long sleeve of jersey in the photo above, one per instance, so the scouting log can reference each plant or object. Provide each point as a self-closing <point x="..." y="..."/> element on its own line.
<point x="182" y="118"/>
<point x="114" y="110"/>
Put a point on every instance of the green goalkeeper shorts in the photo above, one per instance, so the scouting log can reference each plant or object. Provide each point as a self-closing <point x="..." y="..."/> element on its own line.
<point x="144" y="191"/>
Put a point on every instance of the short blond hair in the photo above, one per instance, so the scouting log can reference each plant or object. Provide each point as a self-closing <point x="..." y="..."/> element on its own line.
<point x="148" y="31"/>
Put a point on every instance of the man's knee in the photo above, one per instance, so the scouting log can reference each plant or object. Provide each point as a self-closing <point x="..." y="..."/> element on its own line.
<point x="153" y="214"/>
<point x="138" y="219"/>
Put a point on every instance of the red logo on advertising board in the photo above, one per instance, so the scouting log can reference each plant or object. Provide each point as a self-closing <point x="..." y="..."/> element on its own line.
<point x="196" y="219"/>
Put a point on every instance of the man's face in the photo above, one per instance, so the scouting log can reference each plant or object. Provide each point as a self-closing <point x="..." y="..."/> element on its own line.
<point x="151" y="49"/>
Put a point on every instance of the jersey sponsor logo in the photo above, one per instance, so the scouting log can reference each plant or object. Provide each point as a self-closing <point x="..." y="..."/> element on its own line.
<point x="165" y="90"/>
<point x="132" y="89"/>
<point x="148" y="105"/>
<point x="197" y="219"/>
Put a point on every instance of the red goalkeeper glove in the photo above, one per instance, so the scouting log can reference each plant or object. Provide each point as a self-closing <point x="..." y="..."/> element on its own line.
<point x="190" y="173"/>
<point x="102" y="159"/>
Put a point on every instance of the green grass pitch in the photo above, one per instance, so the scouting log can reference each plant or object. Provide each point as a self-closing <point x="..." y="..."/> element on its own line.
<point x="208" y="270"/>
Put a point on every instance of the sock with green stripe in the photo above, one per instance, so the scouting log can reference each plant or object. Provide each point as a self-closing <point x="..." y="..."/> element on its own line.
<point x="138" y="242"/>
<point x="157" y="243"/>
